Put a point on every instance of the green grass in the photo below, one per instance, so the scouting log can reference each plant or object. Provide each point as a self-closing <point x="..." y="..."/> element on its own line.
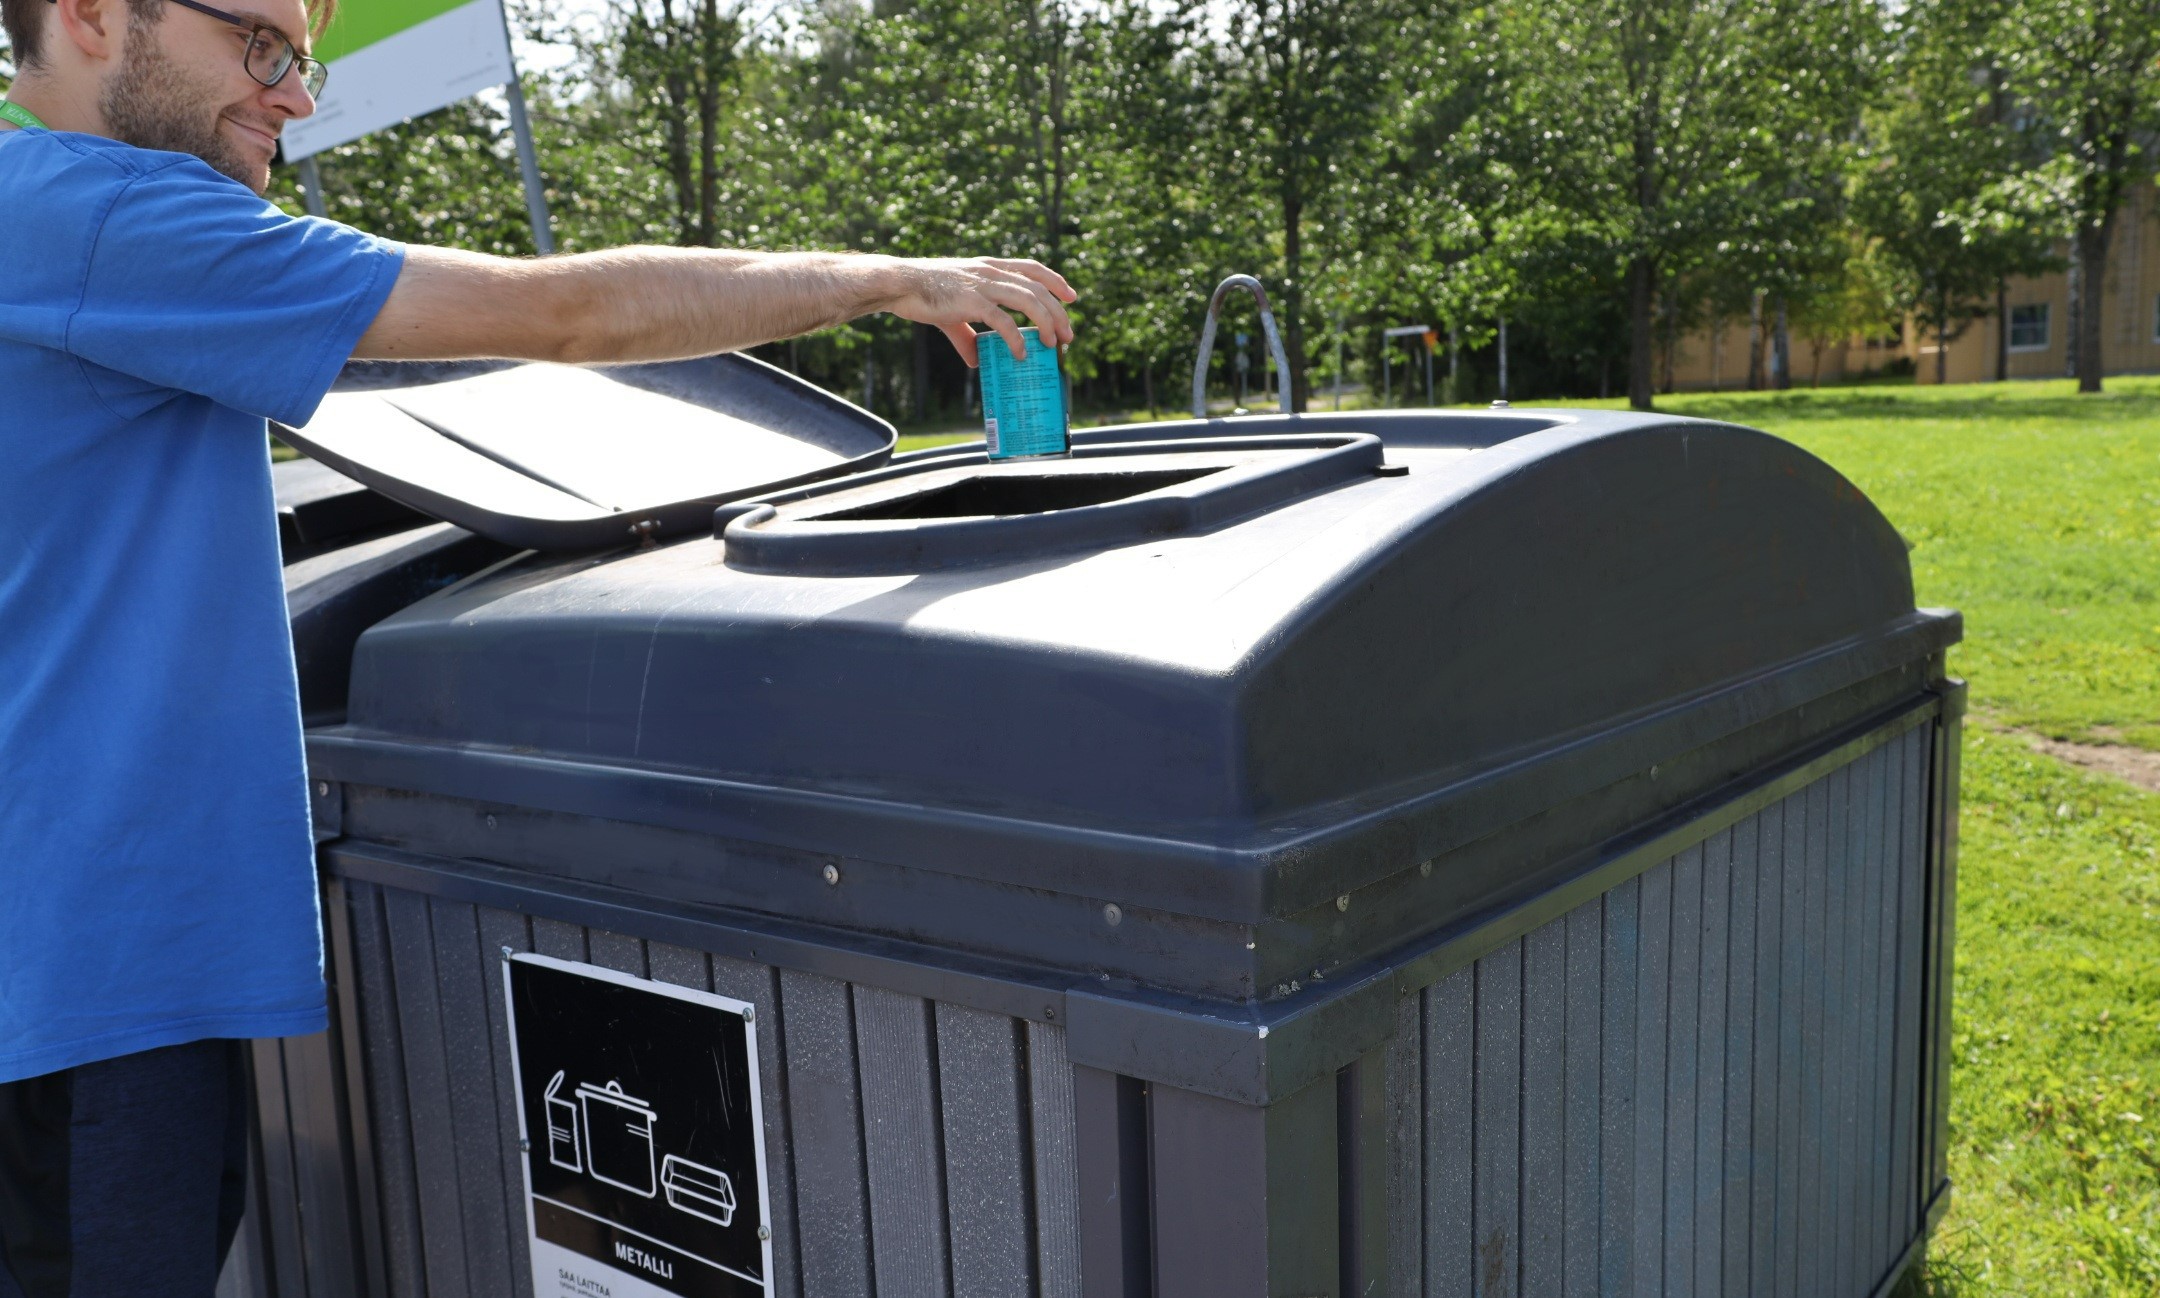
<point x="2037" y="512"/>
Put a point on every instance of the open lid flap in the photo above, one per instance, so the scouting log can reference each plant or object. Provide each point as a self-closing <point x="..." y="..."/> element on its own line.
<point x="556" y="457"/>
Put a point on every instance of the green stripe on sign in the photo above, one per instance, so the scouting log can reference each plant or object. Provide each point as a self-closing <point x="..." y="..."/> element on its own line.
<point x="361" y="23"/>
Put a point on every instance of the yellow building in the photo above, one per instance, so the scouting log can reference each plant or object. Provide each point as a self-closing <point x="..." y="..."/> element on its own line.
<point x="2039" y="327"/>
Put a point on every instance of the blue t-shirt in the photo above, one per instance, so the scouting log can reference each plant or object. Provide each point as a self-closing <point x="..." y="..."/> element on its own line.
<point x="156" y="873"/>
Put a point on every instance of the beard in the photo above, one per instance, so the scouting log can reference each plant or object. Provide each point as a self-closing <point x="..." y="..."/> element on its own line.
<point x="151" y="103"/>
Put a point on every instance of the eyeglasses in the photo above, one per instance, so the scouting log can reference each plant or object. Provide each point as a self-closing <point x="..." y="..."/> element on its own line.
<point x="269" y="54"/>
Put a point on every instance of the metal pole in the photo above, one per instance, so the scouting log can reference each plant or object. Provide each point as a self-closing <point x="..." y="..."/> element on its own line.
<point x="1387" y="375"/>
<point x="311" y="191"/>
<point x="1428" y="374"/>
<point x="536" y="211"/>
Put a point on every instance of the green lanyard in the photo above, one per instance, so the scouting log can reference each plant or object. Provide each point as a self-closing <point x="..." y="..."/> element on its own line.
<point x="21" y="116"/>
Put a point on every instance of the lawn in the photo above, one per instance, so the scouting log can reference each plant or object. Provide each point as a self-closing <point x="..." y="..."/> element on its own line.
<point x="2037" y="512"/>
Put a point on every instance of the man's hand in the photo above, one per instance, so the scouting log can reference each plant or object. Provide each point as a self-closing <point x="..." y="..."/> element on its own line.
<point x="650" y="304"/>
<point x="955" y="293"/>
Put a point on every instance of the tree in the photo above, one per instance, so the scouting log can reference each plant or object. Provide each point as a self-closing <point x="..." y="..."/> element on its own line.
<point x="1850" y="295"/>
<point x="1948" y="191"/>
<point x="1675" y="123"/>
<point x="1300" y="85"/>
<point x="2089" y="71"/>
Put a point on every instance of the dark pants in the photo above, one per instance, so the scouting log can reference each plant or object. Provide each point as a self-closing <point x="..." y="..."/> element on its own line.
<point x="124" y="1177"/>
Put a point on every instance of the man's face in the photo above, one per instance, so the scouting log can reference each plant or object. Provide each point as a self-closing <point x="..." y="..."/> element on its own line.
<point x="183" y="86"/>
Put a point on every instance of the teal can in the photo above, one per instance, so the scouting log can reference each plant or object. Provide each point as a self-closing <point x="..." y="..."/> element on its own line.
<point x="1023" y="400"/>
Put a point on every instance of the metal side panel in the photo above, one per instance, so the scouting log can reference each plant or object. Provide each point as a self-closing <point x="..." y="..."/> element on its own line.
<point x="985" y="1126"/>
<point x="1245" y="1198"/>
<point x="1905" y="1134"/>
<point x="1842" y="1021"/>
<point x="1406" y="1147"/>
<point x="760" y="986"/>
<point x="1883" y="1245"/>
<point x="1735" y="1168"/>
<point x="355" y="1119"/>
<point x="1792" y="1023"/>
<point x="1496" y="1123"/>
<point x="1544" y="1108"/>
<point x="1621" y="957"/>
<point x="1871" y="1159"/>
<point x="322" y="1165"/>
<point x="500" y="929"/>
<point x="1712" y="947"/>
<point x="832" y="1211"/>
<point x="1581" y="1178"/>
<point x="1814" y="993"/>
<point x="1055" y="1155"/>
<point x="468" y="979"/>
<point x="1450" y="1062"/>
<point x="1880" y="1242"/>
<point x="427" y="1094"/>
<point x="1682" y="1073"/>
<point x="1110" y="1124"/>
<point x="280" y="1198"/>
<point x="246" y="1273"/>
<point x="1942" y="936"/>
<point x="1764" y="1020"/>
<point x="390" y="1113"/>
<point x="562" y="941"/>
<point x="896" y="1057"/>
<point x="625" y="955"/>
<point x="1652" y="980"/>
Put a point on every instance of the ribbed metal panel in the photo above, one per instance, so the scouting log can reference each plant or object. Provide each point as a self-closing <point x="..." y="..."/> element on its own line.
<point x="1700" y="1083"/>
<point x="914" y="1148"/>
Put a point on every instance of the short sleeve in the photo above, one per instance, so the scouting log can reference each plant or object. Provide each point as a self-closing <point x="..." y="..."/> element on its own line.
<point x="195" y="283"/>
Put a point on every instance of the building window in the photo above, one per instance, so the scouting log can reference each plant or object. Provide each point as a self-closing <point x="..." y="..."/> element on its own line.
<point x="2029" y="327"/>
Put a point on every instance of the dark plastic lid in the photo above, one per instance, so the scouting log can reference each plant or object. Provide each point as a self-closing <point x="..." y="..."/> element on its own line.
<point x="557" y="457"/>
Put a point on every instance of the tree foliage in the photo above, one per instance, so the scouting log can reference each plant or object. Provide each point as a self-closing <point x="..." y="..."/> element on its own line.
<point x="1605" y="179"/>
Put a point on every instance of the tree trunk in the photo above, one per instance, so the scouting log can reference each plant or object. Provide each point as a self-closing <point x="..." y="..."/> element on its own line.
<point x="2071" y="334"/>
<point x="1781" y="348"/>
<point x="1754" y="343"/>
<point x="708" y="97"/>
<point x="2002" y="330"/>
<point x="1642" y="289"/>
<point x="1815" y="370"/>
<point x="1672" y="339"/>
<point x="1717" y="353"/>
<point x="2092" y="274"/>
<point x="1503" y="359"/>
<point x="1942" y="339"/>
<point x="1147" y="384"/>
<point x="1291" y="318"/>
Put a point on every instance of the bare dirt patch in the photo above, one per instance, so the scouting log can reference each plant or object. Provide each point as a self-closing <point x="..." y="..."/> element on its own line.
<point x="2137" y="765"/>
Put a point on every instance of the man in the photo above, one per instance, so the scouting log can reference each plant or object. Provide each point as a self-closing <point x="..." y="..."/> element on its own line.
<point x="156" y="889"/>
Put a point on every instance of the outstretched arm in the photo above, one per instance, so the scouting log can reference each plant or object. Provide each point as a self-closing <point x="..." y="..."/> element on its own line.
<point x="650" y="304"/>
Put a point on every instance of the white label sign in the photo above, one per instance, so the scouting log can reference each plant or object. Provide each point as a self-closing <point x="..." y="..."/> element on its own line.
<point x="643" y="1132"/>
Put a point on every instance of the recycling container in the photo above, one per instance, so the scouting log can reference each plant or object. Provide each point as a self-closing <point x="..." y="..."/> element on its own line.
<point x="1394" y="853"/>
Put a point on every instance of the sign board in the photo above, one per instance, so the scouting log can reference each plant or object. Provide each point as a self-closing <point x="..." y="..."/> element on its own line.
<point x="643" y="1135"/>
<point x="394" y="59"/>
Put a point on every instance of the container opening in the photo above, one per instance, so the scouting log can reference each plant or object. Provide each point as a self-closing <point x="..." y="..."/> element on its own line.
<point x="993" y="495"/>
